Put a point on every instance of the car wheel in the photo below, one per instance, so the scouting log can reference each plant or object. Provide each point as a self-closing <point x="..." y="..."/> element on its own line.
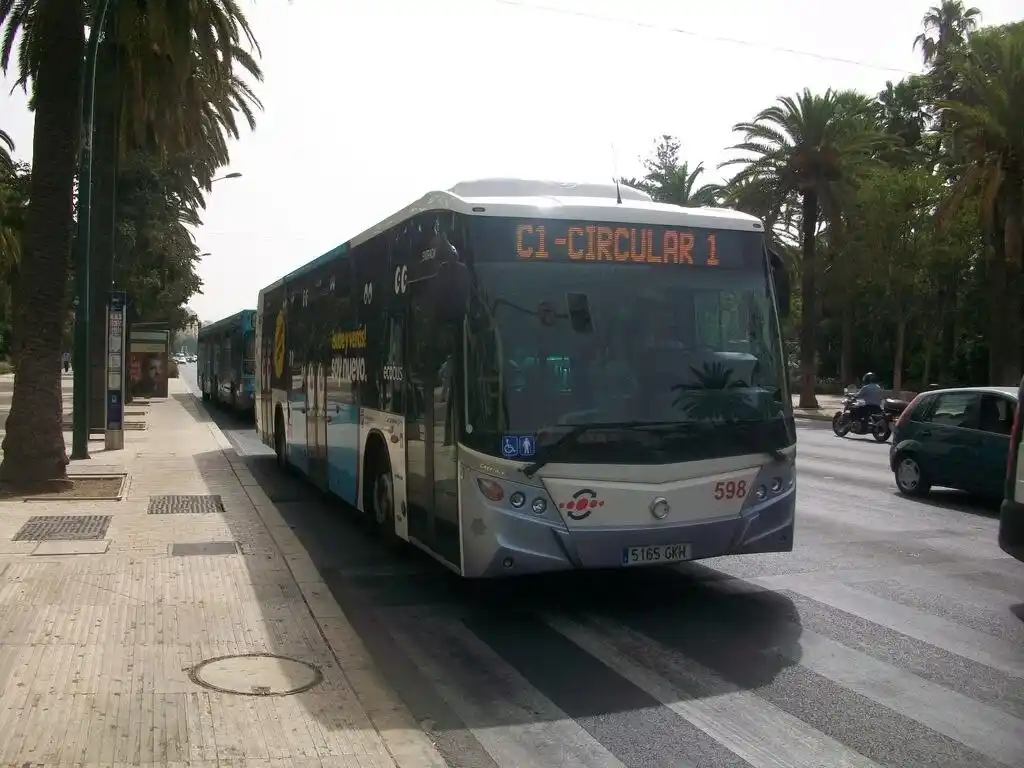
<point x="910" y="478"/>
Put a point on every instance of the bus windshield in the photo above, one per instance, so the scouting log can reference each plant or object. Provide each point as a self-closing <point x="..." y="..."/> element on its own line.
<point x="680" y="362"/>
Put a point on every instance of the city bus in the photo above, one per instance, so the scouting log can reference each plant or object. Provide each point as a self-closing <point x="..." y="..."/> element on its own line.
<point x="524" y="376"/>
<point x="226" y="361"/>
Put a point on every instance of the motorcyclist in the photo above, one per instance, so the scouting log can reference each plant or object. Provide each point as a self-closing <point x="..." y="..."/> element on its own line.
<point x="868" y="398"/>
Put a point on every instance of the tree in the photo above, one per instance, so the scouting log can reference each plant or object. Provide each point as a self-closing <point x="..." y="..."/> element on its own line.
<point x="180" y="97"/>
<point x="54" y="40"/>
<point x="892" y="214"/>
<point x="669" y="180"/>
<point x="6" y="163"/>
<point x="809" y="145"/>
<point x="985" y="114"/>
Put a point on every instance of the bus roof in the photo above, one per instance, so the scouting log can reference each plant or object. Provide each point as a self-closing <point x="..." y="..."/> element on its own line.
<point x="536" y="198"/>
<point x="227" y="322"/>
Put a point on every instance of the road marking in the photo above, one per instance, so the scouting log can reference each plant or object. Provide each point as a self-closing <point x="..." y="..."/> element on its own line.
<point x="754" y="729"/>
<point x="515" y="723"/>
<point x="935" y="630"/>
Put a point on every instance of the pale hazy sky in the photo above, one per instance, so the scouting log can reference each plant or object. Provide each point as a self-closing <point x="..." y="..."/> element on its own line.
<point x="371" y="103"/>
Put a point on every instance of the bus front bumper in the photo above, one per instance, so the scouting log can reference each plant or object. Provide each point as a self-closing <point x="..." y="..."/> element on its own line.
<point x="515" y="544"/>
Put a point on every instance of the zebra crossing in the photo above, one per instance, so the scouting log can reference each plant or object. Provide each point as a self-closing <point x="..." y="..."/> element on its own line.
<point x="893" y="636"/>
<point x="702" y="669"/>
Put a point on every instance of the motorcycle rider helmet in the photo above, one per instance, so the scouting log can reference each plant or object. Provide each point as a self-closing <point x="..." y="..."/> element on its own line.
<point x="869" y="378"/>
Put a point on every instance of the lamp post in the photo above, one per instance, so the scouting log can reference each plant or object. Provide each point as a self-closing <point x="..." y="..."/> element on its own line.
<point x="80" y="408"/>
<point x="234" y="175"/>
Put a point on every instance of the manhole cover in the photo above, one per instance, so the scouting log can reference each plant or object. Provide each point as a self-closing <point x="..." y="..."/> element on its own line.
<point x="185" y="505"/>
<point x="64" y="528"/>
<point x="256" y="674"/>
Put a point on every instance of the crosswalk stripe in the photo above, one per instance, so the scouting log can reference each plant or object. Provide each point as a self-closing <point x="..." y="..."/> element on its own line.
<point x="979" y="726"/>
<point x="514" y="723"/>
<point x="936" y="630"/>
<point x="758" y="732"/>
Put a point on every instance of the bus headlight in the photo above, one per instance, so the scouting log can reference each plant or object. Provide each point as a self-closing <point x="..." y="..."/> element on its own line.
<point x="776" y="484"/>
<point x="539" y="505"/>
<point x="517" y="499"/>
<point x="490" y="489"/>
<point x="760" y="492"/>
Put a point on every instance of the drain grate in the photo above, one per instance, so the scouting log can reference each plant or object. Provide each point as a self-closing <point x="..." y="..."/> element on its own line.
<point x="64" y="528"/>
<point x="199" y="548"/>
<point x="134" y="425"/>
<point x="185" y="505"/>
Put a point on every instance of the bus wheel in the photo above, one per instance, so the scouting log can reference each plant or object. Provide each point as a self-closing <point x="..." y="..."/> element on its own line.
<point x="381" y="507"/>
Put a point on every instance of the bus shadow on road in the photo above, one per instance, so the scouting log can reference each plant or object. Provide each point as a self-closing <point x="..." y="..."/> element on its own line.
<point x="706" y="633"/>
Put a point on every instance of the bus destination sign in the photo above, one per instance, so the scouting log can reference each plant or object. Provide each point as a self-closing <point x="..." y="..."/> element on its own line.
<point x="556" y="240"/>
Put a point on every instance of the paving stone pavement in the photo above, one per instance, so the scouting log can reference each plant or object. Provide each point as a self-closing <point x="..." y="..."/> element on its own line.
<point x="96" y="649"/>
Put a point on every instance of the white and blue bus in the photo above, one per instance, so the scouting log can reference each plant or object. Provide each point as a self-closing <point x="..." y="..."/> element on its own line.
<point x="226" y="361"/>
<point x="524" y="376"/>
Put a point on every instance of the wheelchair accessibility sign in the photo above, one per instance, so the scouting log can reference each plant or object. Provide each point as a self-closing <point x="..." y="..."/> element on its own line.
<point x="518" y="446"/>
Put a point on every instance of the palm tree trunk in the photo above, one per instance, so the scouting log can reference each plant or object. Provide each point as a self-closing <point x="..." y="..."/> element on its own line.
<point x="34" y="447"/>
<point x="846" y="343"/>
<point x="1013" y="254"/>
<point x="901" y="342"/>
<point x="809" y="304"/>
<point x="998" y="296"/>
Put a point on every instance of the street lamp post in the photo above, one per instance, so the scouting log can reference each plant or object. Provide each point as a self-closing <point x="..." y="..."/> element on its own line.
<point x="80" y="408"/>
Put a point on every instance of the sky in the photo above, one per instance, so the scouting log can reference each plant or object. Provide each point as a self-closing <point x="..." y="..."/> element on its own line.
<point x="369" y="104"/>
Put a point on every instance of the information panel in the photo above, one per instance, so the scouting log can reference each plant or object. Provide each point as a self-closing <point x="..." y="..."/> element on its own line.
<point x="116" y="304"/>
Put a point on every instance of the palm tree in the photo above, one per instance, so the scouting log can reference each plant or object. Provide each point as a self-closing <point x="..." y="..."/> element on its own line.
<point x="53" y="53"/>
<point x="985" y="114"/>
<point x="669" y="180"/>
<point x="6" y="162"/>
<point x="946" y="27"/>
<point x="809" y="145"/>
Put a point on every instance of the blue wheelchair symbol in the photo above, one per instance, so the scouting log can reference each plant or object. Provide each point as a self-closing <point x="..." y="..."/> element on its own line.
<point x="527" y="446"/>
<point x="509" y="446"/>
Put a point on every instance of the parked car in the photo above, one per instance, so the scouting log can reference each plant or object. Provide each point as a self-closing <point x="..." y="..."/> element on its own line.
<point x="1011" y="513"/>
<point x="954" y="438"/>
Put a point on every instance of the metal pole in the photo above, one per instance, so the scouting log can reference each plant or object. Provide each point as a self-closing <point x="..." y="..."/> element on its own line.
<point x="80" y="411"/>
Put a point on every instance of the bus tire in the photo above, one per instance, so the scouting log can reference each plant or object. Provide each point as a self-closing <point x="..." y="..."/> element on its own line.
<point x="280" y="444"/>
<point x="379" y="491"/>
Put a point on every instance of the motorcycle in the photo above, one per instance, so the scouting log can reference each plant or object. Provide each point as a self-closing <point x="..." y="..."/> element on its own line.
<point x="878" y="425"/>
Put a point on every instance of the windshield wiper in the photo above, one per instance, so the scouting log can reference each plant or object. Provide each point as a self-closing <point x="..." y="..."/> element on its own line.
<point x="574" y="434"/>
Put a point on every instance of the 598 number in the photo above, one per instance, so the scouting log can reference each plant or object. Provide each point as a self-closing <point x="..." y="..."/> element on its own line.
<point x="730" y="489"/>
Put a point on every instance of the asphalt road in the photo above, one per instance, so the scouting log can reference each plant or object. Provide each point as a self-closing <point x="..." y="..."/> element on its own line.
<point x="893" y="635"/>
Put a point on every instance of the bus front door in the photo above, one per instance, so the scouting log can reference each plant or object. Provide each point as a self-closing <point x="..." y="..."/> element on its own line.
<point x="430" y="462"/>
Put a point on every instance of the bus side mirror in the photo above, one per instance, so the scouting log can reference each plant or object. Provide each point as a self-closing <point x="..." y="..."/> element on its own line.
<point x="451" y="294"/>
<point x="780" y="279"/>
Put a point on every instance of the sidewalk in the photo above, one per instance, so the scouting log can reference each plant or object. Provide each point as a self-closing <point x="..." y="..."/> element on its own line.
<point x="827" y="407"/>
<point x="182" y="633"/>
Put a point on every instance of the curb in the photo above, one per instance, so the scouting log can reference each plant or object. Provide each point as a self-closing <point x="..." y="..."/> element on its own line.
<point x="812" y="415"/>
<point x="404" y="740"/>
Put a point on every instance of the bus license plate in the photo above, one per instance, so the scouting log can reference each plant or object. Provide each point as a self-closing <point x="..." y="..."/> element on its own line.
<point x="662" y="553"/>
